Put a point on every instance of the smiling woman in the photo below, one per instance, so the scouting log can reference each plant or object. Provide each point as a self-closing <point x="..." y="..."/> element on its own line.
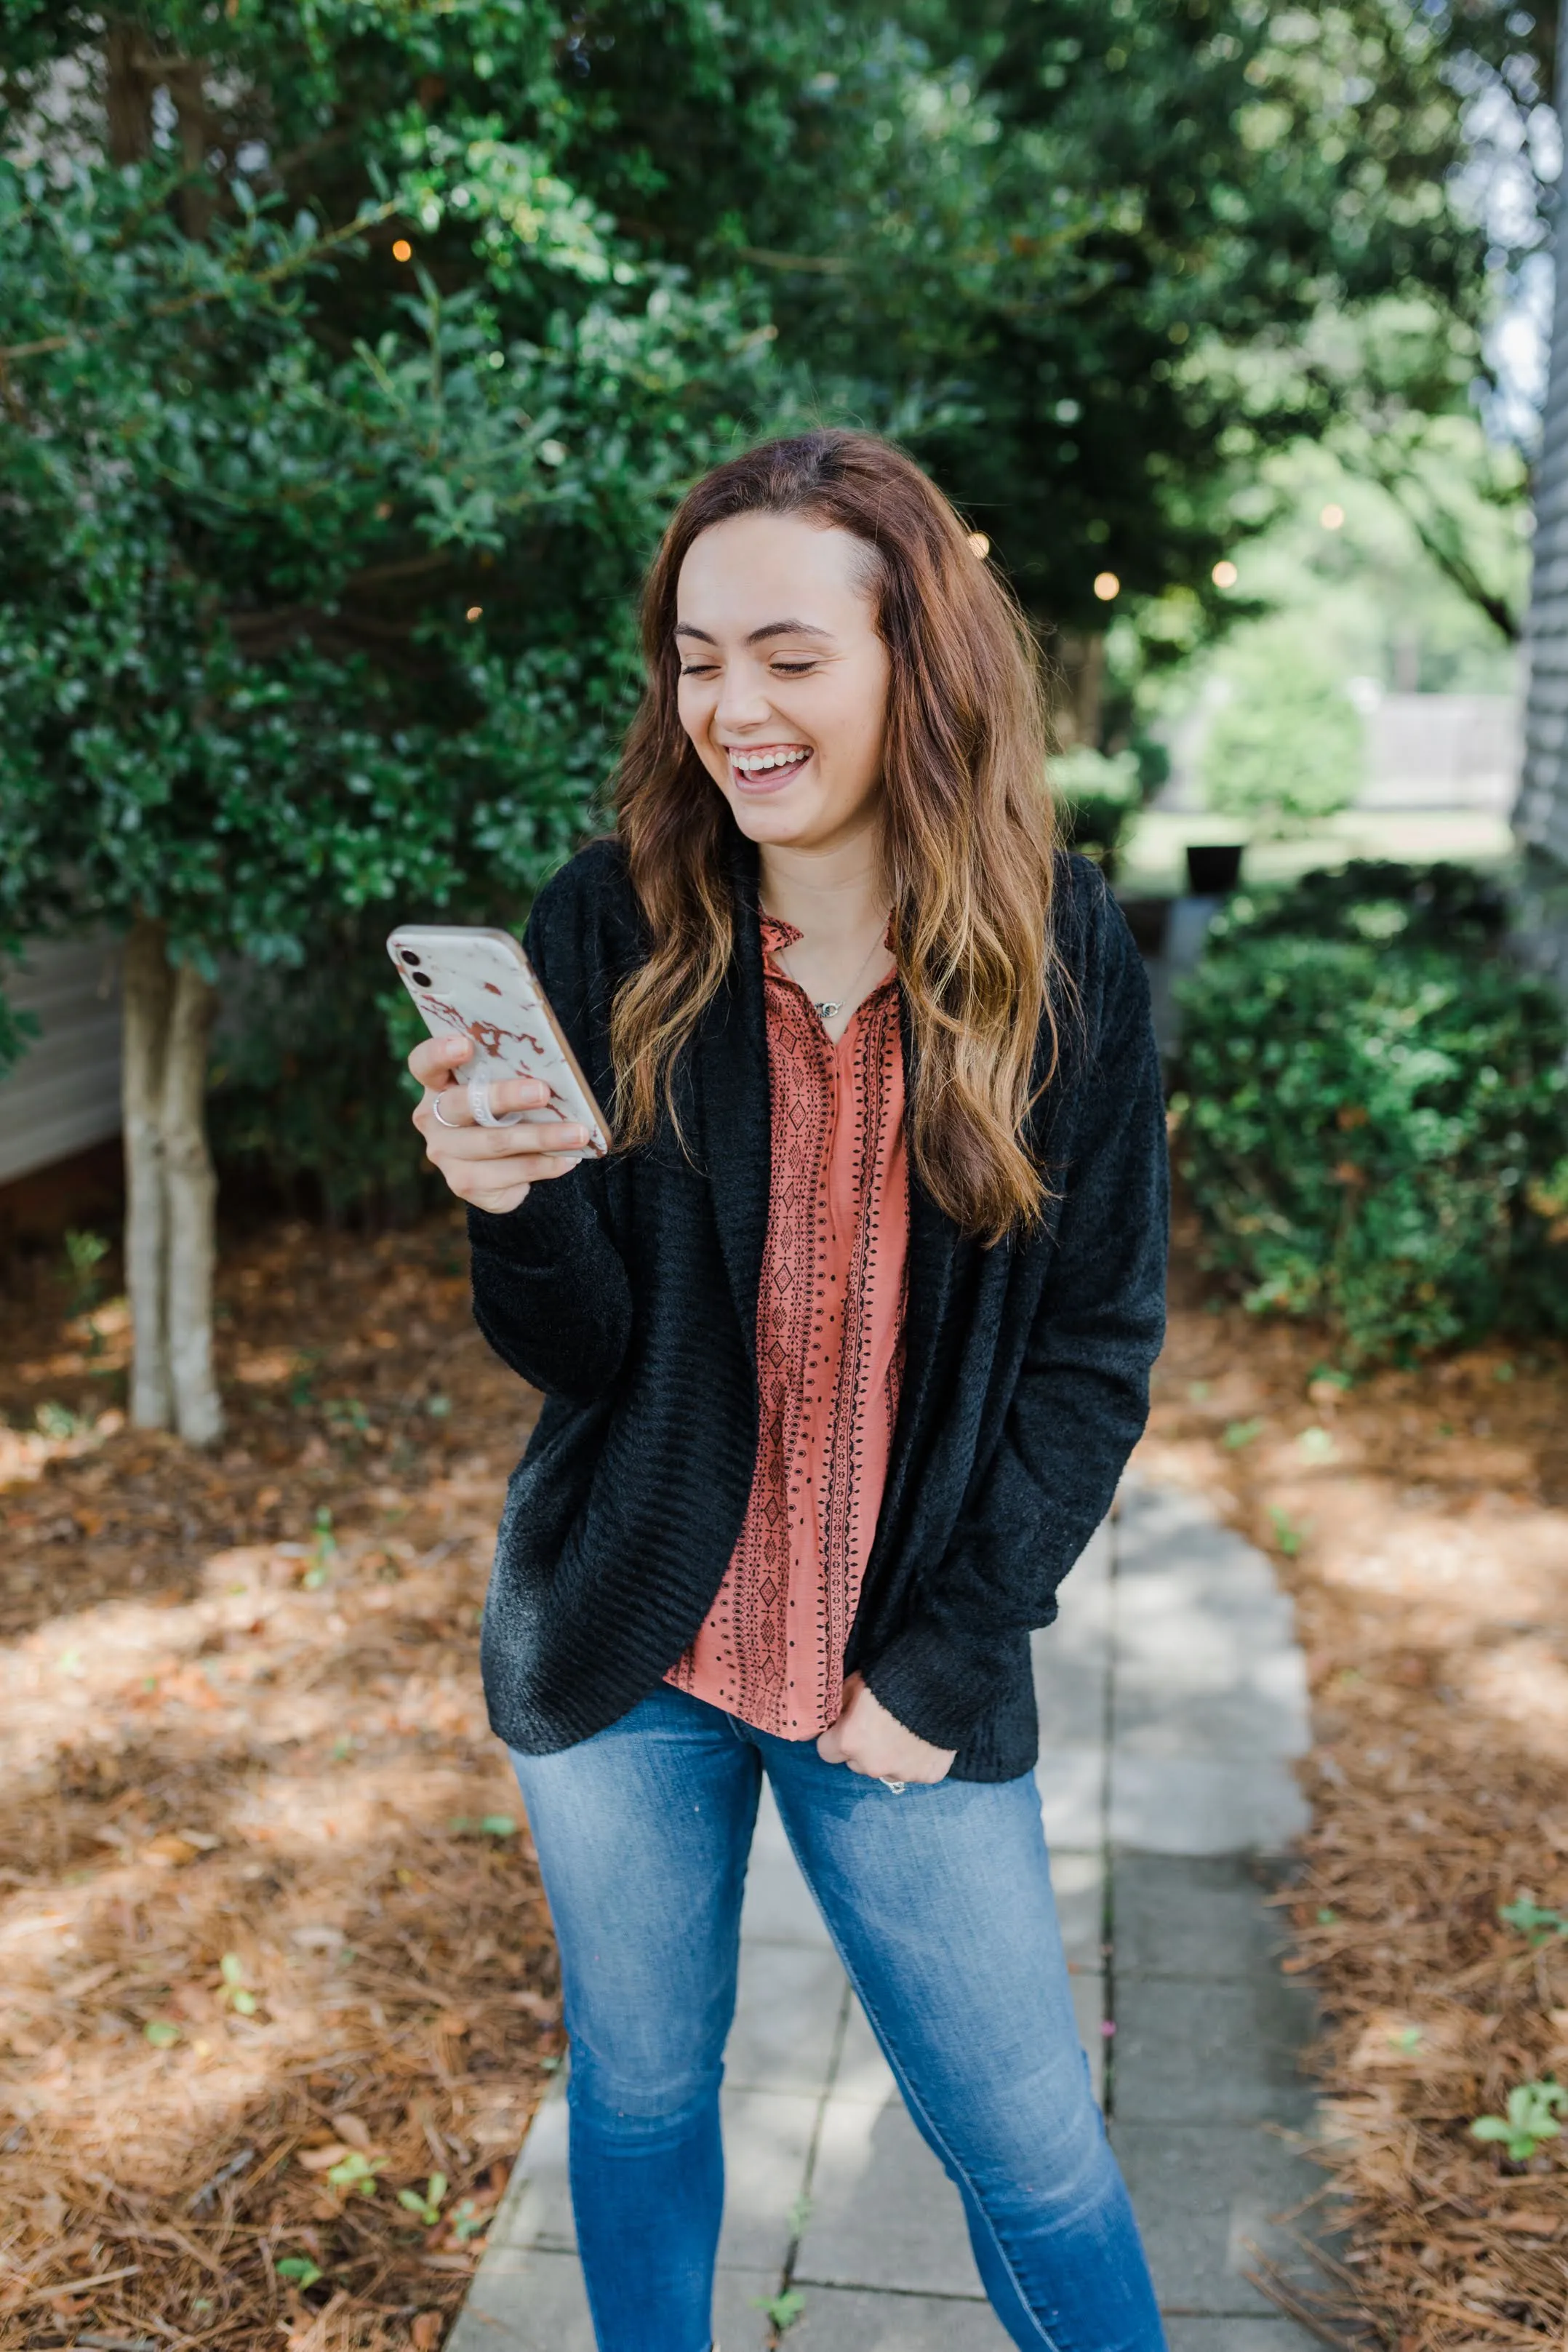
<point x="843" y="1349"/>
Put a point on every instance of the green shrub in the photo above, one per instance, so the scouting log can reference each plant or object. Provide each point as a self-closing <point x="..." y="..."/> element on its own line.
<point x="1375" y="1126"/>
<point x="1098" y="796"/>
<point x="1288" y="746"/>
<point x="1375" y="899"/>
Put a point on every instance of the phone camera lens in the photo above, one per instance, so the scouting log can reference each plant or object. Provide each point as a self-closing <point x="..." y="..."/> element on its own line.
<point x="409" y="955"/>
<point x="423" y="980"/>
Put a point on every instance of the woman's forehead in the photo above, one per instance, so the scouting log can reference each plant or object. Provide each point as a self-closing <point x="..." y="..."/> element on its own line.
<point x="754" y="574"/>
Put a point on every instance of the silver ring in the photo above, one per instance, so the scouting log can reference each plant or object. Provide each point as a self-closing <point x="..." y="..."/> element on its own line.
<point x="480" y="1103"/>
<point x="897" y="1786"/>
<point x="436" y="1106"/>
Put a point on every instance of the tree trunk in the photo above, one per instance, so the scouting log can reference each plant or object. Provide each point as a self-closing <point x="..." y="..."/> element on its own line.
<point x="147" y="994"/>
<point x="128" y="99"/>
<point x="190" y="1194"/>
<point x="170" y="1191"/>
<point x="1079" y="687"/>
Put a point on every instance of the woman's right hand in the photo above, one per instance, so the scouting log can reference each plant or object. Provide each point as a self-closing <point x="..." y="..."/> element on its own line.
<point x="492" y="1167"/>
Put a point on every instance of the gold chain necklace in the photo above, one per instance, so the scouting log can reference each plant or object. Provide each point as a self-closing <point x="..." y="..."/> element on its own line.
<point x="827" y="1011"/>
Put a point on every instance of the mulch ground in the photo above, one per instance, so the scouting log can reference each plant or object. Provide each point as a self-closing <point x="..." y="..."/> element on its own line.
<point x="1420" y="1519"/>
<point x="273" y="1951"/>
<point x="272" y="1945"/>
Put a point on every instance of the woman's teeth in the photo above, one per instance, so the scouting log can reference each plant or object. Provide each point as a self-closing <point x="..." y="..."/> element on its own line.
<point x="755" y="763"/>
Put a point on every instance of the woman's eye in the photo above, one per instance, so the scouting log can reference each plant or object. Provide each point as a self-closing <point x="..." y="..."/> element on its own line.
<point x="793" y="669"/>
<point x="696" y="669"/>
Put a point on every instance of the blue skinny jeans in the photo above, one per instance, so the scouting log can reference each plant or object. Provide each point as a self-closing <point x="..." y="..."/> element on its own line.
<point x="939" y="1901"/>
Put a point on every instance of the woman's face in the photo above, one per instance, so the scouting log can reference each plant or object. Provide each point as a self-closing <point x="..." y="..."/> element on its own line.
<point x="784" y="678"/>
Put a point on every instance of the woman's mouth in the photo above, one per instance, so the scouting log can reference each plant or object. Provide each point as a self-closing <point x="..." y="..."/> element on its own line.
<point x="767" y="768"/>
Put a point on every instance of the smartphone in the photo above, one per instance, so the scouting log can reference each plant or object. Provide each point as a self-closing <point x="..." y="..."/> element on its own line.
<point x="475" y="983"/>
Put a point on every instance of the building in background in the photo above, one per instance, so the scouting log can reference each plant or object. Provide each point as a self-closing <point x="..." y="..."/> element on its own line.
<point x="1540" y="814"/>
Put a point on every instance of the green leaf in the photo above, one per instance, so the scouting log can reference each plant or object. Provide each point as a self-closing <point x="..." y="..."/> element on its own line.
<point x="162" y="2033"/>
<point x="299" y="2269"/>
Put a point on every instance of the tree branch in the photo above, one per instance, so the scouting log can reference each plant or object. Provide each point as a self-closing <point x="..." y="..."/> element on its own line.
<point x="273" y="276"/>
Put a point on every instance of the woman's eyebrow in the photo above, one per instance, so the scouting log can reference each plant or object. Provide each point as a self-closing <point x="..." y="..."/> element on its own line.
<point x="768" y="629"/>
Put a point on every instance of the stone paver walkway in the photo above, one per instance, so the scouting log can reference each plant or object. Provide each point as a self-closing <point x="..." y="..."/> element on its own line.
<point x="1172" y="1697"/>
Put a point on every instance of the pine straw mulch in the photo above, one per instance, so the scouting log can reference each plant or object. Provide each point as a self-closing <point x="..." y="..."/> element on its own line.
<point x="268" y="1915"/>
<point x="1420" y="1520"/>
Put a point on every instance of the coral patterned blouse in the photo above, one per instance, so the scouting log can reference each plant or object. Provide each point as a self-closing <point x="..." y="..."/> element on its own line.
<point x="830" y="1314"/>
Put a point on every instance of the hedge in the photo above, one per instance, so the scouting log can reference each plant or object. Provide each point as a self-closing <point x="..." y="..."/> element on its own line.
<point x="1373" y="1112"/>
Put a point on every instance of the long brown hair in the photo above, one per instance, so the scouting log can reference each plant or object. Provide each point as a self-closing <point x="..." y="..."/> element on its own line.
<point x="968" y="828"/>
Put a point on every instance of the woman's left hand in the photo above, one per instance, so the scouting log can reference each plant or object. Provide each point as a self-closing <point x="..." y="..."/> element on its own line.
<point x="870" y="1740"/>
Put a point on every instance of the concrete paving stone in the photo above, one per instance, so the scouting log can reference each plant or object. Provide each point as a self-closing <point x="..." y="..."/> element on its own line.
<point x="1280" y="2335"/>
<point x="839" y="2319"/>
<point x="1218" y="1723"/>
<point x="778" y="1906"/>
<point x="1207" y="2197"/>
<point x="1212" y="2054"/>
<point x="883" y="2213"/>
<point x="864" y="2075"/>
<point x="1182" y="1917"/>
<point x="1071" y="1781"/>
<point x="767" y="2143"/>
<point x="1070" y="1696"/>
<point x="1204" y="1804"/>
<point x="787" y="2012"/>
<point x="1163" y="1607"/>
<point x="535" y="2301"/>
<point x="536" y="2212"/>
<point x="1077" y="1883"/>
<point x="767" y="2146"/>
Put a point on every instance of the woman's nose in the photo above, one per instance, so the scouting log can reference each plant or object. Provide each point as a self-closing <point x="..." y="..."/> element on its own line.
<point x="743" y="696"/>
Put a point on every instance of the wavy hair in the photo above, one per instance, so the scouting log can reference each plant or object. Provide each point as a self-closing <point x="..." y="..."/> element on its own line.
<point x="968" y="837"/>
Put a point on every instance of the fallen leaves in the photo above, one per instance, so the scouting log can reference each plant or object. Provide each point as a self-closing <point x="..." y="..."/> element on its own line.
<point x="242" y="1947"/>
<point x="1425" y="1545"/>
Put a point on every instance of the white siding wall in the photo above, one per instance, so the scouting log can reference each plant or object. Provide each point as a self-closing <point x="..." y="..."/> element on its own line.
<point x="1541" y="816"/>
<point x="64" y="1093"/>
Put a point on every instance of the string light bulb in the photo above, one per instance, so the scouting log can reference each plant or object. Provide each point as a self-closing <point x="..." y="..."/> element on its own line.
<point x="402" y="250"/>
<point x="1105" y="586"/>
<point x="980" y="543"/>
<point x="1225" y="573"/>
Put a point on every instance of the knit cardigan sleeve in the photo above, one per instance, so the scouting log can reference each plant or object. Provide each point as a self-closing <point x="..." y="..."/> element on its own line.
<point x="551" y="1289"/>
<point x="1083" y="1396"/>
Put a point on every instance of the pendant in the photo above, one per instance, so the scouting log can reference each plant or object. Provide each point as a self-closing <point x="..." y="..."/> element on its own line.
<point x="827" y="1011"/>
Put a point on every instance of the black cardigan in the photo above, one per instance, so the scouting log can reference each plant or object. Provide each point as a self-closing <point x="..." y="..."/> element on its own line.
<point x="627" y="1292"/>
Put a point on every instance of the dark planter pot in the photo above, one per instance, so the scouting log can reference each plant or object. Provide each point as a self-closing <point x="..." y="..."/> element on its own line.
<point x="1213" y="869"/>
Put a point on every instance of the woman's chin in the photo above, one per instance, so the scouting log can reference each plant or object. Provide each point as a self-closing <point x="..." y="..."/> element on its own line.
<point x="778" y="819"/>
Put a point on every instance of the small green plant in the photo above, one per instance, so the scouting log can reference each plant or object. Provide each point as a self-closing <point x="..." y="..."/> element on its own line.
<point x="85" y="1253"/>
<point x="57" y="1420"/>
<point x="1327" y="1916"/>
<point x="1531" y="1919"/>
<point x="162" y="2033"/>
<point x="302" y="1382"/>
<point x="438" y="1407"/>
<point x="1408" y="2038"/>
<point x="1531" y="2120"/>
<point x="1317" y="1444"/>
<point x="357" y="2173"/>
<point x="467" y="2221"/>
<point x="233" y="1988"/>
<point x="425" y="2202"/>
<point x="1238" y="1433"/>
<point x="782" y="2309"/>
<point x="300" y="2270"/>
<point x="495" y="1825"/>
<point x="323" y="1552"/>
<point x="1287" y="1535"/>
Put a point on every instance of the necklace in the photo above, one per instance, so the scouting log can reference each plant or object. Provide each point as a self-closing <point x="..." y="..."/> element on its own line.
<point x="826" y="1009"/>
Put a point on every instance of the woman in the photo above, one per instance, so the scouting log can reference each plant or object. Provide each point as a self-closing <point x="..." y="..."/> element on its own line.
<point x="843" y="1352"/>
